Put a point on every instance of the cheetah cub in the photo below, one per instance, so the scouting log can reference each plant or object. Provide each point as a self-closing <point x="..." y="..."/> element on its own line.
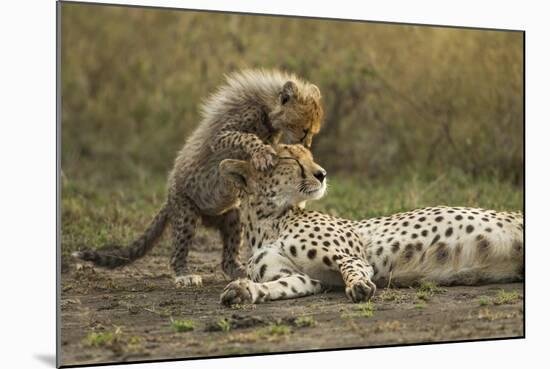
<point x="297" y="252"/>
<point x="251" y="111"/>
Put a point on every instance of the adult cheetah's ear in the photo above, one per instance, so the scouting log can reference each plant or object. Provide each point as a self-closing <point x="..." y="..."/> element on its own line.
<point x="237" y="171"/>
<point x="289" y="91"/>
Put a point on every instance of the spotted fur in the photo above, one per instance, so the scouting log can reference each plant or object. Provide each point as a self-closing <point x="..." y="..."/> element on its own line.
<point x="251" y="111"/>
<point x="447" y="245"/>
<point x="297" y="252"/>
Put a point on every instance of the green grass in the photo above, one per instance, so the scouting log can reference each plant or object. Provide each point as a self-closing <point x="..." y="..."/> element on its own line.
<point x="423" y="295"/>
<point x="483" y="301"/>
<point x="425" y="292"/>
<point x="182" y="325"/>
<point x="305" y="321"/>
<point x="390" y="294"/>
<point x="430" y="288"/>
<point x="365" y="310"/>
<point x="134" y="341"/>
<point x="277" y="330"/>
<point x="420" y="305"/>
<point x="100" y="339"/>
<point x="95" y="214"/>
<point x="504" y="297"/>
<point x="224" y="325"/>
<point x="358" y="198"/>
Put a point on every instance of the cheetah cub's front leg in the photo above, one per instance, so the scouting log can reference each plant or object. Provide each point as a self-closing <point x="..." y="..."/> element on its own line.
<point x="357" y="277"/>
<point x="263" y="157"/>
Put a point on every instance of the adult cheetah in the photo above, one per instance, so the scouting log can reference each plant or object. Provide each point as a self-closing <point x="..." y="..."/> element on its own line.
<point x="296" y="252"/>
<point x="253" y="110"/>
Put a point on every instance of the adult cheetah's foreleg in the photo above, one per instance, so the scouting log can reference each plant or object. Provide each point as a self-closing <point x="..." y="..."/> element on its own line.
<point x="274" y="278"/>
<point x="288" y="287"/>
<point x="356" y="274"/>
<point x="184" y="217"/>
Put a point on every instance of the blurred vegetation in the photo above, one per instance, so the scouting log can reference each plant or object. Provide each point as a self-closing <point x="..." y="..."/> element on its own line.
<point x="395" y="96"/>
<point x="415" y="116"/>
<point x="93" y="217"/>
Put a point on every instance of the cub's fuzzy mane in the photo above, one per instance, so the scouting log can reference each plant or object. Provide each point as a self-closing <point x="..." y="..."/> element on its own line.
<point x="259" y="86"/>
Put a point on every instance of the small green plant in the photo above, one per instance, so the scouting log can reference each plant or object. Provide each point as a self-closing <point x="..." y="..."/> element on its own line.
<point x="100" y="339"/>
<point x="224" y="325"/>
<point x="430" y="287"/>
<point x="365" y="310"/>
<point x="277" y="330"/>
<point x="504" y="297"/>
<point x="426" y="290"/>
<point x="390" y="294"/>
<point x="423" y="295"/>
<point x="134" y="340"/>
<point x="420" y="305"/>
<point x="486" y="314"/>
<point x="133" y="343"/>
<point x="182" y="325"/>
<point x="305" y="321"/>
<point x="483" y="301"/>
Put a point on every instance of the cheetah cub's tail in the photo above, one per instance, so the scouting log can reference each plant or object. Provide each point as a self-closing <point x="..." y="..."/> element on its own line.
<point x="117" y="256"/>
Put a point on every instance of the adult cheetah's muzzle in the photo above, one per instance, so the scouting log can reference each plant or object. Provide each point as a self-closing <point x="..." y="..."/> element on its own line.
<point x="320" y="175"/>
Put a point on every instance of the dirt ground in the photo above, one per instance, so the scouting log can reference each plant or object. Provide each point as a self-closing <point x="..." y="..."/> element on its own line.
<point x="132" y="314"/>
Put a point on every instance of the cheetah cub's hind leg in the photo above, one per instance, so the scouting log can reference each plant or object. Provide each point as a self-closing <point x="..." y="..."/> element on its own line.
<point x="184" y="222"/>
<point x="231" y="233"/>
<point x="357" y="277"/>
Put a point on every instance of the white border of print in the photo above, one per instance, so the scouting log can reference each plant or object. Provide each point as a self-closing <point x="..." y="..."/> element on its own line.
<point x="27" y="196"/>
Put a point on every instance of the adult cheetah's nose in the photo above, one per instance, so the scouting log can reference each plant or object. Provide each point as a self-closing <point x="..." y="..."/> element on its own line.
<point x="320" y="175"/>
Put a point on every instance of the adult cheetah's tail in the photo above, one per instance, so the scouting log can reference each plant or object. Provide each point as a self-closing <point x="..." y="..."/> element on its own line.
<point x="117" y="256"/>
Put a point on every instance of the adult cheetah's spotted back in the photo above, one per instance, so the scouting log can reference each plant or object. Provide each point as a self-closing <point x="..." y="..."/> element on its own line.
<point x="446" y="244"/>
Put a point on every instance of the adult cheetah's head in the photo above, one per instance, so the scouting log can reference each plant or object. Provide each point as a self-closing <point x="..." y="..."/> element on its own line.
<point x="294" y="179"/>
<point x="298" y="112"/>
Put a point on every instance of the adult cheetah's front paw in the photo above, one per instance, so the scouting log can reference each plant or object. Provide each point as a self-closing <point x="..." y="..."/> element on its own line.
<point x="361" y="290"/>
<point x="237" y="292"/>
<point x="264" y="158"/>
<point x="188" y="280"/>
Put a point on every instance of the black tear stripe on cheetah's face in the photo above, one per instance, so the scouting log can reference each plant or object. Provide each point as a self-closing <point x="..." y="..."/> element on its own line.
<point x="297" y="253"/>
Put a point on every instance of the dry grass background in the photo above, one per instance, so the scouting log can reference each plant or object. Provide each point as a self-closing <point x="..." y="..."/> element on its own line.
<point x="414" y="115"/>
<point x="395" y="96"/>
